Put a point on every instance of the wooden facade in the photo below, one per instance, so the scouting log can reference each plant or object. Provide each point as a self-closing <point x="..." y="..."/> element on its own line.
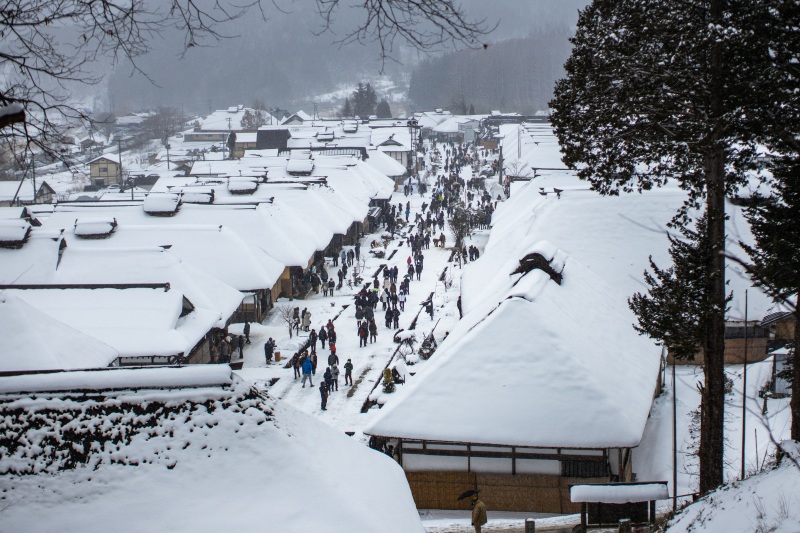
<point x="510" y="478"/>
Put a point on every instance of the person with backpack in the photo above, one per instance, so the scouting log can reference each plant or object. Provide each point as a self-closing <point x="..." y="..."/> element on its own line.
<point x="333" y="359"/>
<point x="348" y="372"/>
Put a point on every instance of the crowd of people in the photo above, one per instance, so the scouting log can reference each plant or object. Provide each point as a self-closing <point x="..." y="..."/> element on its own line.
<point x="391" y="285"/>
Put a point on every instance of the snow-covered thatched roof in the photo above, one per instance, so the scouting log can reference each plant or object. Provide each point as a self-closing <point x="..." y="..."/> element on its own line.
<point x="210" y="453"/>
<point x="546" y="358"/>
<point x="32" y="340"/>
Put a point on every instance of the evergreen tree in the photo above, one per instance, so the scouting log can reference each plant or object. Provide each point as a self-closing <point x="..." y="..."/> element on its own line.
<point x="673" y="309"/>
<point x="656" y="91"/>
<point x="347" y="110"/>
<point x="383" y="110"/>
<point x="364" y="100"/>
<point x="775" y="223"/>
<point x="471" y="109"/>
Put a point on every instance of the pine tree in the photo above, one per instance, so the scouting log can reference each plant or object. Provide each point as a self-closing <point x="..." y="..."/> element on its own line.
<point x="471" y="109"/>
<point x="673" y="309"/>
<point x="658" y="91"/>
<point x="383" y="110"/>
<point x="347" y="110"/>
<point x="775" y="223"/>
<point x="364" y="100"/>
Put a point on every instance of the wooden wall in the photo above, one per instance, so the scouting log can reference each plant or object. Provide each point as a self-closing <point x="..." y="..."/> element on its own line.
<point x="500" y="492"/>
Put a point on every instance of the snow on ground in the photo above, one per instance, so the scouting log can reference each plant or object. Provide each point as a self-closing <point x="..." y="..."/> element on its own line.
<point x="652" y="460"/>
<point x="767" y="502"/>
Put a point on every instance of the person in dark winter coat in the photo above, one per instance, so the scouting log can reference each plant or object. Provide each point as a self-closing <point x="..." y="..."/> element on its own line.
<point x="314" y="363"/>
<point x="328" y="377"/>
<point x="333" y="359"/>
<point x="322" y="336"/>
<point x="331" y="286"/>
<point x="247" y="332"/>
<point x="240" y="344"/>
<point x="396" y="318"/>
<point x="312" y="340"/>
<point x="373" y="331"/>
<point x="323" y="396"/>
<point x="269" y="347"/>
<point x="296" y="364"/>
<point x="348" y="373"/>
<point x="388" y="317"/>
<point x="307" y="367"/>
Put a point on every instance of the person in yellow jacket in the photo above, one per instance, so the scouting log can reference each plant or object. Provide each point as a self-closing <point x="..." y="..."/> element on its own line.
<point x="478" y="513"/>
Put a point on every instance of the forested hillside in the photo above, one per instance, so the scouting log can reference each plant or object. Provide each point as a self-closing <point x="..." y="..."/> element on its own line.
<point x="518" y="74"/>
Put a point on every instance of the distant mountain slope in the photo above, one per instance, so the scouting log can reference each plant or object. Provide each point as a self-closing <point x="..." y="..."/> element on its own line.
<point x="511" y="75"/>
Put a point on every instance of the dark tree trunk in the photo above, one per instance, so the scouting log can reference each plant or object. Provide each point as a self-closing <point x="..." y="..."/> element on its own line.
<point x="795" y="404"/>
<point x="713" y="399"/>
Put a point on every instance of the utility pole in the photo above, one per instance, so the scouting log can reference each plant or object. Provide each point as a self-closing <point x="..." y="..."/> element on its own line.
<point x="674" y="439"/>
<point x="33" y="176"/>
<point x="119" y="148"/>
<point x="744" y="386"/>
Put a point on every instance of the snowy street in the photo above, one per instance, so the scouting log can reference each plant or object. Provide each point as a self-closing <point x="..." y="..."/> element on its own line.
<point x="440" y="278"/>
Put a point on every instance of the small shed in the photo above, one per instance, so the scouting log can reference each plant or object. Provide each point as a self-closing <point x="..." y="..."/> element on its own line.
<point x="605" y="504"/>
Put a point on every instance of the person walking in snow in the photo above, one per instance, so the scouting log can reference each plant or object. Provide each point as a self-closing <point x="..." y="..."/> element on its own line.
<point x="328" y="377"/>
<point x="335" y="376"/>
<point x="312" y="340"/>
<point x="307" y="367"/>
<point x="362" y="334"/>
<point x="343" y="256"/>
<point x="373" y="331"/>
<point x="306" y="320"/>
<point x="322" y="336"/>
<point x="331" y="286"/>
<point x="246" y="332"/>
<point x="323" y="396"/>
<point x="296" y="365"/>
<point x="388" y="317"/>
<point x="358" y="250"/>
<point x="401" y="300"/>
<point x="396" y="318"/>
<point x="348" y="372"/>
